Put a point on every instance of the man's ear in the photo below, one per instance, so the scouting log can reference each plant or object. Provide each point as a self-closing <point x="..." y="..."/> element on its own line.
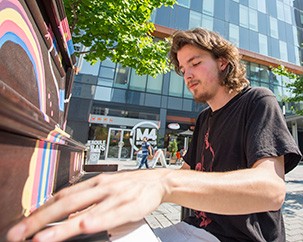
<point x="222" y="63"/>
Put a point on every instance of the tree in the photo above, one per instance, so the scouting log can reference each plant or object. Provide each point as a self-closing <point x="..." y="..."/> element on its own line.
<point x="120" y="30"/>
<point x="296" y="85"/>
<point x="173" y="147"/>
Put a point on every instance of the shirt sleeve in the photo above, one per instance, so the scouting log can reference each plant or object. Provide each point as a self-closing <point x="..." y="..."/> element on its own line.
<point x="267" y="133"/>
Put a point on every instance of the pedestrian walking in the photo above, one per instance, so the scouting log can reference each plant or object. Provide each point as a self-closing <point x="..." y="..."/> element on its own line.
<point x="146" y="151"/>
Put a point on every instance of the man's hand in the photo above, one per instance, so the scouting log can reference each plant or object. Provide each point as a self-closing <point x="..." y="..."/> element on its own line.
<point x="105" y="202"/>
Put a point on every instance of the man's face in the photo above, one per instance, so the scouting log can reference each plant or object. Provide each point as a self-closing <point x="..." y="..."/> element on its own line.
<point x="201" y="72"/>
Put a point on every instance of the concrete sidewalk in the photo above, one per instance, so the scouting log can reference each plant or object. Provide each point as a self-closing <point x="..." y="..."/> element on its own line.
<point x="293" y="205"/>
<point x="168" y="213"/>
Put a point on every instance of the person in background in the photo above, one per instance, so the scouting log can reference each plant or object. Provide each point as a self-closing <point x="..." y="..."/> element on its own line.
<point x="146" y="151"/>
<point x="233" y="171"/>
<point x="178" y="158"/>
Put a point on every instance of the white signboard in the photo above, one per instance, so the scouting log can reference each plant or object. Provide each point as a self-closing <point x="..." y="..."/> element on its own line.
<point x="112" y="120"/>
<point x="136" y="135"/>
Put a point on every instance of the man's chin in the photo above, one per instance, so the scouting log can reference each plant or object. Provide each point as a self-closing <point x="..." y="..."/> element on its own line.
<point x="199" y="99"/>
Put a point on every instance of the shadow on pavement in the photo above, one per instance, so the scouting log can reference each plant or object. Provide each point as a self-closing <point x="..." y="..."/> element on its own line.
<point x="293" y="200"/>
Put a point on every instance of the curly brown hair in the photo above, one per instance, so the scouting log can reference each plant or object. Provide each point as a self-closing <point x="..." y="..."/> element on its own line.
<point x="234" y="76"/>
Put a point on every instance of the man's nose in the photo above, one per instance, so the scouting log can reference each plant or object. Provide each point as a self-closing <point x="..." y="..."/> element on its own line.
<point x="188" y="75"/>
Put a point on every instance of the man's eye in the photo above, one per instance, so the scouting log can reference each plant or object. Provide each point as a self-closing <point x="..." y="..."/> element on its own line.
<point x="196" y="63"/>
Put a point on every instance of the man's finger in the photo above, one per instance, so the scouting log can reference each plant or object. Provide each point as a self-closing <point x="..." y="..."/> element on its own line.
<point x="59" y="207"/>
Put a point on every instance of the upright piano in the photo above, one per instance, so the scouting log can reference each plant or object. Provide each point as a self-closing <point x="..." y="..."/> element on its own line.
<point x="37" y="156"/>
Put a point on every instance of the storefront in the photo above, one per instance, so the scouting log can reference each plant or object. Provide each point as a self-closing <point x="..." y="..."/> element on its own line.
<point x="120" y="138"/>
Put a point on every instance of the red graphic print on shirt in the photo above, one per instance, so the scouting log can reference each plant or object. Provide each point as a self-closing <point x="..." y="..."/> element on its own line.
<point x="200" y="167"/>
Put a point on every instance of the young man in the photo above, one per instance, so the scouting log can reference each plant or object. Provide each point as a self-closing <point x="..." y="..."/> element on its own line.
<point x="233" y="175"/>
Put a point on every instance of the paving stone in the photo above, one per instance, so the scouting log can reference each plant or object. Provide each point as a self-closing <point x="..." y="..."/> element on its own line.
<point x="163" y="221"/>
<point x="153" y="222"/>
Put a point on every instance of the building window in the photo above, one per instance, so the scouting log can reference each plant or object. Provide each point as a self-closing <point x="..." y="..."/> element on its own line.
<point x="297" y="56"/>
<point x="77" y="88"/>
<point x="295" y="35"/>
<point x="187" y="93"/>
<point x="88" y="68"/>
<point x="286" y="91"/>
<point x="283" y="50"/>
<point x="254" y="72"/>
<point x="287" y="14"/>
<point x="273" y="27"/>
<point x="253" y="41"/>
<point x="103" y="93"/>
<point x="264" y="84"/>
<point x="137" y="82"/>
<point x="175" y="84"/>
<point x="122" y="74"/>
<point x="108" y="63"/>
<point x="243" y="16"/>
<point x="280" y="10"/>
<point x="195" y="19"/>
<point x="105" y="82"/>
<point x="153" y="16"/>
<point x="98" y="110"/>
<point x="264" y="73"/>
<point x="154" y="85"/>
<point x="253" y="4"/>
<point x="184" y="3"/>
<point x="262" y="6"/>
<point x="234" y="34"/>
<point x="207" y="22"/>
<point x="107" y="72"/>
<point x="253" y="20"/>
<point x="263" y="47"/>
<point x="208" y="7"/>
<point x="278" y="91"/>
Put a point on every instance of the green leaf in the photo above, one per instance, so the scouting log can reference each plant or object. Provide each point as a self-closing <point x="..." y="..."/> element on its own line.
<point x="120" y="30"/>
<point x="296" y="86"/>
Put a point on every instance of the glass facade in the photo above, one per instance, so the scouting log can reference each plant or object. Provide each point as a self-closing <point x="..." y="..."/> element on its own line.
<point x="113" y="83"/>
<point x="123" y="85"/>
<point x="272" y="28"/>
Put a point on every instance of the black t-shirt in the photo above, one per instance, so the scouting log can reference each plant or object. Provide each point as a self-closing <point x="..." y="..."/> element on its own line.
<point x="249" y="127"/>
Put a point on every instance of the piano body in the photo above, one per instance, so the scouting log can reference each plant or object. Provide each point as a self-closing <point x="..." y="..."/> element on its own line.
<point x="37" y="156"/>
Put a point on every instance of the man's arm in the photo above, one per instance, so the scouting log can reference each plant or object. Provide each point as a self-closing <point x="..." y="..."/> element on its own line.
<point x="257" y="189"/>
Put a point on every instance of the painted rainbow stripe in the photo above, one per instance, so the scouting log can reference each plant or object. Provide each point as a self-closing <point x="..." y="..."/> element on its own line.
<point x="39" y="185"/>
<point x="65" y="31"/>
<point x="16" y="27"/>
<point x="57" y="136"/>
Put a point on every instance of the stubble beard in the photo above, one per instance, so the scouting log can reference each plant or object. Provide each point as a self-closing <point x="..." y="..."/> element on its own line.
<point x="201" y="97"/>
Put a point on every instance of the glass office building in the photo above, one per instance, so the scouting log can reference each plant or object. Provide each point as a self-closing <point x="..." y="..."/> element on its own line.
<point x="108" y="100"/>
